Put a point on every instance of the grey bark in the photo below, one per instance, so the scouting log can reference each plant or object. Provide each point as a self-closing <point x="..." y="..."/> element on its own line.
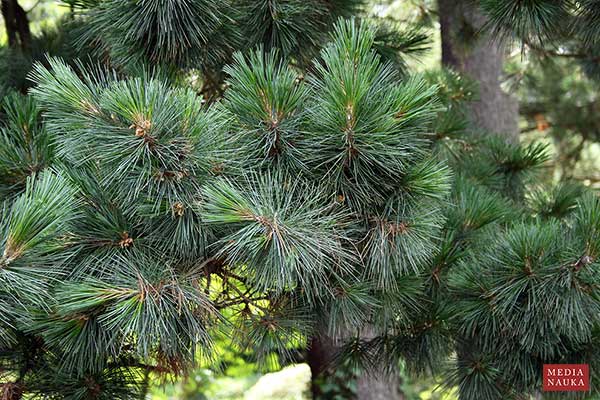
<point x="379" y="388"/>
<point x="375" y="385"/>
<point x="470" y="50"/>
<point x="383" y="388"/>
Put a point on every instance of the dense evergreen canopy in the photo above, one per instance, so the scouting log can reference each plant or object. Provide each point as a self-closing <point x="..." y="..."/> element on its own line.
<point x="319" y="189"/>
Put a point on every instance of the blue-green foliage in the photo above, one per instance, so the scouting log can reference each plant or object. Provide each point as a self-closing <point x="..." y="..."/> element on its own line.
<point x="140" y="223"/>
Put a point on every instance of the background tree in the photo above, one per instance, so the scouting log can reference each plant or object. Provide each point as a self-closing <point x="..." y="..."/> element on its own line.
<point x="535" y="25"/>
<point x="16" y="24"/>
<point x="472" y="50"/>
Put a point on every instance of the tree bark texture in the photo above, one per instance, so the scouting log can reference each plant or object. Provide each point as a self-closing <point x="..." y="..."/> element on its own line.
<point x="469" y="50"/>
<point x="379" y="386"/>
<point x="369" y="386"/>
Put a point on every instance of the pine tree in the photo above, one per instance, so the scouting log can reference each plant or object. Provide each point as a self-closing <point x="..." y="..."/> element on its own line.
<point x="159" y="213"/>
<point x="514" y="335"/>
<point x="500" y="267"/>
<point x="339" y="201"/>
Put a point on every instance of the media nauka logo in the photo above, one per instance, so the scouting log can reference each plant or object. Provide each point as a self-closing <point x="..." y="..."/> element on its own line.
<point x="566" y="377"/>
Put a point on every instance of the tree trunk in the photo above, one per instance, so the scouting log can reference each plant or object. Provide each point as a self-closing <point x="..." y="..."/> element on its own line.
<point x="372" y="386"/>
<point x="472" y="52"/>
<point x="320" y="352"/>
<point x="378" y="385"/>
<point x="381" y="387"/>
<point x="17" y="25"/>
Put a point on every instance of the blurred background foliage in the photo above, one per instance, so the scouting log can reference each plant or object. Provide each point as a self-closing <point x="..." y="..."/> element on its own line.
<point x="559" y="105"/>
